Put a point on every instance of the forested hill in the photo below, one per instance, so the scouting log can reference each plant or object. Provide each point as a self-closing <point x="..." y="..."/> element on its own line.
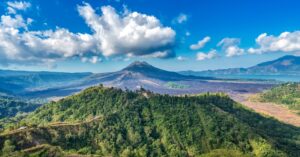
<point x="287" y="94"/>
<point x="112" y="122"/>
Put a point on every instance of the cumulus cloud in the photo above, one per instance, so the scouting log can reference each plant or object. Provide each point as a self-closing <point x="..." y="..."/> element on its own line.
<point x="17" y="5"/>
<point x="210" y="55"/>
<point x="20" y="46"/>
<point x="181" y="18"/>
<point x="200" y="44"/>
<point x="114" y="35"/>
<point x="285" y="42"/>
<point x="231" y="47"/>
<point x="14" y="22"/>
<point x="132" y="33"/>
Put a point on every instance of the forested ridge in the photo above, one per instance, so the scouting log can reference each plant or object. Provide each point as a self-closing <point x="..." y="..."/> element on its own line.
<point x="111" y="122"/>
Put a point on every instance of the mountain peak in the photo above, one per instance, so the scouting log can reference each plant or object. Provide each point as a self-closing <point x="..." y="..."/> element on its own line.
<point x="138" y="65"/>
<point x="147" y="70"/>
<point x="289" y="57"/>
<point x="283" y="61"/>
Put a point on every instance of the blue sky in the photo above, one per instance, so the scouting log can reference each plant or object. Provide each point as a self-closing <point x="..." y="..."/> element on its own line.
<point x="63" y="35"/>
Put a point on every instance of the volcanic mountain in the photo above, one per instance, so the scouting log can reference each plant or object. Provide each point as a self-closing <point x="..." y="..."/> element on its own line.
<point x="139" y="74"/>
<point x="135" y="76"/>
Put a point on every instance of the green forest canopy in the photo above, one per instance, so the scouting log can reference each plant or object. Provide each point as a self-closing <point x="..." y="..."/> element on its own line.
<point x="111" y="122"/>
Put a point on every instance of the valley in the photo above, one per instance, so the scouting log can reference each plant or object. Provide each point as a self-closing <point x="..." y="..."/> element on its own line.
<point x="269" y="109"/>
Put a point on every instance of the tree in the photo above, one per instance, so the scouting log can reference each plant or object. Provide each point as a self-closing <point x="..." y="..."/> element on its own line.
<point x="8" y="148"/>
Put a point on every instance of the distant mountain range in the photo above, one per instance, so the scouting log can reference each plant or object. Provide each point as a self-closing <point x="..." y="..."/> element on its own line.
<point x="143" y="75"/>
<point x="286" y="65"/>
<point x="16" y="82"/>
<point x="136" y="75"/>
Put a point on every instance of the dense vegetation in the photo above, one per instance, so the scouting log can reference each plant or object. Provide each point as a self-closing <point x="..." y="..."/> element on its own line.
<point x="286" y="94"/>
<point x="112" y="122"/>
<point x="10" y="107"/>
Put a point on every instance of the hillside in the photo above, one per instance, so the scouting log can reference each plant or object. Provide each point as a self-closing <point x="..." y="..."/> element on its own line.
<point x="112" y="122"/>
<point x="10" y="107"/>
<point x="286" y="65"/>
<point x="286" y="94"/>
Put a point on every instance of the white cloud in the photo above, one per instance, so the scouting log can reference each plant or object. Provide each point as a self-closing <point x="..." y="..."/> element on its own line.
<point x="200" y="44"/>
<point x="60" y="42"/>
<point x="93" y="59"/>
<point x="210" y="55"/>
<point x="114" y="35"/>
<point x="23" y="47"/>
<point x="285" y="42"/>
<point x="234" y="51"/>
<point x="231" y="47"/>
<point x="181" y="18"/>
<point x="14" y="22"/>
<point x="17" y="5"/>
<point x="132" y="33"/>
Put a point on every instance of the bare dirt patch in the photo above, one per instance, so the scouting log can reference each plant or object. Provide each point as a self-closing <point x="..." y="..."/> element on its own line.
<point x="270" y="109"/>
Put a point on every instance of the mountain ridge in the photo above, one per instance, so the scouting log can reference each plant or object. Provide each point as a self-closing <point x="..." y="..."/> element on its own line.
<point x="136" y="75"/>
<point x="142" y="74"/>
<point x="16" y="82"/>
<point x="286" y="65"/>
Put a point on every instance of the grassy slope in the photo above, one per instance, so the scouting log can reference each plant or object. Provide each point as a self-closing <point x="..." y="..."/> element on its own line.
<point x="287" y="94"/>
<point x="154" y="125"/>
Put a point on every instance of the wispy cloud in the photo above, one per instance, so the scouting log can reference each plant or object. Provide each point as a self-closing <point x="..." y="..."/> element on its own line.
<point x="13" y="6"/>
<point x="181" y="18"/>
<point x="200" y="44"/>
